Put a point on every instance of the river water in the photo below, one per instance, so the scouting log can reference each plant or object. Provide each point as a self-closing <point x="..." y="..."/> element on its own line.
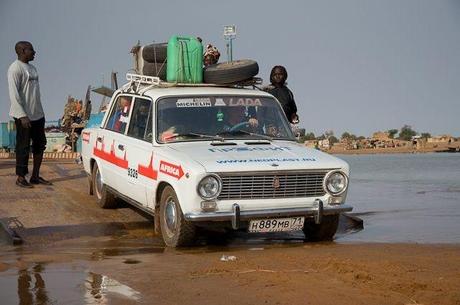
<point x="401" y="198"/>
<point x="405" y="197"/>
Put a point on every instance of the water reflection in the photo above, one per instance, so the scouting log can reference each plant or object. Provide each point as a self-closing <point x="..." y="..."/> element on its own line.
<point x="31" y="286"/>
<point x="47" y="284"/>
<point x="98" y="288"/>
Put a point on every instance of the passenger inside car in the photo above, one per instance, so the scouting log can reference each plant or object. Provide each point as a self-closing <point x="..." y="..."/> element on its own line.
<point x="119" y="118"/>
<point x="140" y="121"/>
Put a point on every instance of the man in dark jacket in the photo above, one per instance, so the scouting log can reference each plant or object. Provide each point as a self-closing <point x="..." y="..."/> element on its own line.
<point x="278" y="89"/>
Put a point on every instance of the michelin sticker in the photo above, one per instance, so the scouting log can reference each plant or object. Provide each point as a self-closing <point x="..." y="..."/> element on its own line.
<point x="193" y="102"/>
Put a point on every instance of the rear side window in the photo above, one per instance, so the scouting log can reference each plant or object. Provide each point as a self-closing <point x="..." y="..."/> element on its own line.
<point x="140" y="126"/>
<point x="119" y="115"/>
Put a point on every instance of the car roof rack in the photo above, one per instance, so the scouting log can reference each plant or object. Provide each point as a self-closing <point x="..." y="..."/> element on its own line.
<point x="139" y="83"/>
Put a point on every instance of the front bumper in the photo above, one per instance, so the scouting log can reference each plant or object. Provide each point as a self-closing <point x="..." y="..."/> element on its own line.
<point x="235" y="216"/>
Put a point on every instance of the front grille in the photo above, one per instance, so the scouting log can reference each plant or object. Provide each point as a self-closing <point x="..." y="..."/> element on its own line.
<point x="263" y="186"/>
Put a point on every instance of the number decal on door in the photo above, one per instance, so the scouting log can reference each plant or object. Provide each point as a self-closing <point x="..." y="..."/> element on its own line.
<point x="132" y="173"/>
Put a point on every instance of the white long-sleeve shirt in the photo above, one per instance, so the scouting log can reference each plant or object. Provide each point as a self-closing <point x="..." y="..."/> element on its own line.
<point x="24" y="91"/>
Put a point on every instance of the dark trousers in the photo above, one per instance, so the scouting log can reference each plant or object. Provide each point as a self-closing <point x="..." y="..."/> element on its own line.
<point x="36" y="133"/>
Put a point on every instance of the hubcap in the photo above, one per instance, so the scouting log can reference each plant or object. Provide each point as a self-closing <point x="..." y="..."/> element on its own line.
<point x="98" y="184"/>
<point x="170" y="215"/>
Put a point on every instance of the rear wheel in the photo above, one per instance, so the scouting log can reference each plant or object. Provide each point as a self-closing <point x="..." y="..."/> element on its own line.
<point x="104" y="198"/>
<point x="176" y="231"/>
<point x="324" y="231"/>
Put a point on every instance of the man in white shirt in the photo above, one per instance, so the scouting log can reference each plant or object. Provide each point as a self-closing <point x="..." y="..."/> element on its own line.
<point x="27" y="111"/>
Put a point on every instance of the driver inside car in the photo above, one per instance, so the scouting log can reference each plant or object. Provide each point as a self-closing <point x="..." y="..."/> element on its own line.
<point x="233" y="117"/>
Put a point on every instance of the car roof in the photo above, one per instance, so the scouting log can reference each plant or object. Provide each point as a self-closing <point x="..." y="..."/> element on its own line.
<point x="157" y="92"/>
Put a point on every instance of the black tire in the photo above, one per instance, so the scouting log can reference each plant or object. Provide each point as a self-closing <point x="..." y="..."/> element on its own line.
<point x="230" y="72"/>
<point x="104" y="198"/>
<point x="179" y="232"/>
<point x="324" y="231"/>
<point x="154" y="69"/>
<point x="155" y="52"/>
<point x="90" y="184"/>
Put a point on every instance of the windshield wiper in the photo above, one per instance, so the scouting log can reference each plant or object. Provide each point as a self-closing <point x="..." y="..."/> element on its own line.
<point x="195" y="135"/>
<point x="247" y="133"/>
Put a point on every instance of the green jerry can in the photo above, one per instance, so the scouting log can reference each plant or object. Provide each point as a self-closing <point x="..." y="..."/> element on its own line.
<point x="185" y="60"/>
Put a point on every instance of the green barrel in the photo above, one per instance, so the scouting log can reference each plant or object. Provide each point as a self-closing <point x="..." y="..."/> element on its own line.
<point x="185" y="60"/>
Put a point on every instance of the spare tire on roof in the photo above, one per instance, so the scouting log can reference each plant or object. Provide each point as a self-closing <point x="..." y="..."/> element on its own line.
<point x="154" y="69"/>
<point x="155" y="52"/>
<point x="230" y="72"/>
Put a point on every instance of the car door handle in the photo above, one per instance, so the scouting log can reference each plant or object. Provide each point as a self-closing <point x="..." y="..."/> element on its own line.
<point x="121" y="147"/>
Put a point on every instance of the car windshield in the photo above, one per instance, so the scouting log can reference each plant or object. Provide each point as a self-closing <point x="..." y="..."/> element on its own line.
<point x="218" y="118"/>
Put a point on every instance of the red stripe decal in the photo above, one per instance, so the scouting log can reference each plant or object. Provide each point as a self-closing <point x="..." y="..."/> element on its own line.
<point x="110" y="156"/>
<point x="148" y="171"/>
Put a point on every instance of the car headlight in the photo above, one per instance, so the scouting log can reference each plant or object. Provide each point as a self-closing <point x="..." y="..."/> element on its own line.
<point x="335" y="183"/>
<point x="209" y="187"/>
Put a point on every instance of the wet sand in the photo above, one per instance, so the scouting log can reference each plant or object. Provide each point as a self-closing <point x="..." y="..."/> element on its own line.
<point x="329" y="273"/>
<point x="76" y="253"/>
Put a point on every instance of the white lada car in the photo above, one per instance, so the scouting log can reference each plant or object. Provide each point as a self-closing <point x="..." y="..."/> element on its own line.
<point x="201" y="156"/>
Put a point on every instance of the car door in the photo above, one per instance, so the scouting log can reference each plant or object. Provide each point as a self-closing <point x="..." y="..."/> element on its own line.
<point x="109" y="148"/>
<point x="139" y="149"/>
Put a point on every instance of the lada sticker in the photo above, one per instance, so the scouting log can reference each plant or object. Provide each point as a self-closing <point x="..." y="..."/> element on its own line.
<point x="247" y="102"/>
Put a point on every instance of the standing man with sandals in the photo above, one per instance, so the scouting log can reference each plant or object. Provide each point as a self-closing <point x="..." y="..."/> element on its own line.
<point x="27" y="111"/>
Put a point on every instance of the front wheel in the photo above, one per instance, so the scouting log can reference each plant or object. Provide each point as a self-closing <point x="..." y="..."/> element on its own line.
<point x="324" y="231"/>
<point x="176" y="231"/>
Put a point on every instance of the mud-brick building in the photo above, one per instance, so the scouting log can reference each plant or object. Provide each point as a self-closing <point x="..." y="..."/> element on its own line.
<point x="441" y="139"/>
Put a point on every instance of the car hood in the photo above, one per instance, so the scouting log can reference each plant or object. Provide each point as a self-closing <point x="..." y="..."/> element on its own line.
<point x="237" y="156"/>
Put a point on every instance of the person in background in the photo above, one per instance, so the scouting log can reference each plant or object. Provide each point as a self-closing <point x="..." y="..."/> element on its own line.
<point x="29" y="117"/>
<point x="278" y="89"/>
<point x="211" y="55"/>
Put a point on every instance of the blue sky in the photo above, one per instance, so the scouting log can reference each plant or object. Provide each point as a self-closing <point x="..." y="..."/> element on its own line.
<point x="357" y="66"/>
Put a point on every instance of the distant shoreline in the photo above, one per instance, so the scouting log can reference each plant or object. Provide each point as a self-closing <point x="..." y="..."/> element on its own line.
<point x="374" y="151"/>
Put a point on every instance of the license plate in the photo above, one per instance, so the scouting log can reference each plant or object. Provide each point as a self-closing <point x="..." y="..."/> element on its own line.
<point x="276" y="224"/>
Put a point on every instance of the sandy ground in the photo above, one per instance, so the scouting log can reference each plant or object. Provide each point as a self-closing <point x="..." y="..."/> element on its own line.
<point x="328" y="273"/>
<point x="68" y="239"/>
